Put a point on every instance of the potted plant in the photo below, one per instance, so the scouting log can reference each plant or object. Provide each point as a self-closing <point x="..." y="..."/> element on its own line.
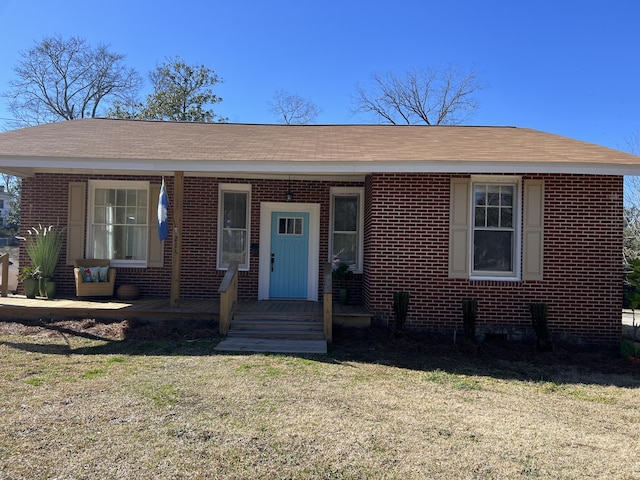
<point x="30" y="278"/>
<point x="44" y="245"/>
<point x="341" y="273"/>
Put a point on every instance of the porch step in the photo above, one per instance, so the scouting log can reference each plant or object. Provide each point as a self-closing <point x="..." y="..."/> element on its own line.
<point x="270" y="345"/>
<point x="276" y="328"/>
<point x="276" y="332"/>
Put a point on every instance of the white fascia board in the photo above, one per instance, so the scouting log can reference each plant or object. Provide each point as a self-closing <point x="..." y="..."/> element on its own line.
<point x="500" y="167"/>
<point x="362" y="167"/>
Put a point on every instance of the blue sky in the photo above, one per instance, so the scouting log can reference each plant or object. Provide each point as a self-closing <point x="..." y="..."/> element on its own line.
<point x="568" y="67"/>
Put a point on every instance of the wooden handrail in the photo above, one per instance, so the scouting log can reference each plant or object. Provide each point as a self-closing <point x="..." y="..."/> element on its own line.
<point x="328" y="302"/>
<point x="4" y="286"/>
<point x="228" y="297"/>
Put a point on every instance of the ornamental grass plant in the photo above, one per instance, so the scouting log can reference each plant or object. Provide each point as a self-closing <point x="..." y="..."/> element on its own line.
<point x="44" y="245"/>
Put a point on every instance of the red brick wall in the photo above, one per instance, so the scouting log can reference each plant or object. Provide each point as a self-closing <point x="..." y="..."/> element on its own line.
<point x="45" y="201"/>
<point x="406" y="233"/>
<point x="406" y="247"/>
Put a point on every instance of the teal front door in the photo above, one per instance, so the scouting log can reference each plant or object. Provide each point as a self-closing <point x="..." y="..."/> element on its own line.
<point x="289" y="255"/>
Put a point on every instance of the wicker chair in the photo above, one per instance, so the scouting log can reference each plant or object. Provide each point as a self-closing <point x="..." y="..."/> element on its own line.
<point x="93" y="289"/>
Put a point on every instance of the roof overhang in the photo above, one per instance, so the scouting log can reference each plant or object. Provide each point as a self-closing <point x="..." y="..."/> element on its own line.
<point x="329" y="151"/>
<point x="26" y="167"/>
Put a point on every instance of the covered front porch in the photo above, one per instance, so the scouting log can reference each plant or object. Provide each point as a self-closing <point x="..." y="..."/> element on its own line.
<point x="20" y="308"/>
<point x="292" y="326"/>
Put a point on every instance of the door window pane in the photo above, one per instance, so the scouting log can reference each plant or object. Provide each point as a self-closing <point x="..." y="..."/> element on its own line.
<point x="290" y="226"/>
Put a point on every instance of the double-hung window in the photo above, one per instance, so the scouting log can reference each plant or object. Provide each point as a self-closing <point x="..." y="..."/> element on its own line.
<point x="346" y="227"/>
<point x="495" y="228"/>
<point x="234" y="220"/>
<point x="118" y="222"/>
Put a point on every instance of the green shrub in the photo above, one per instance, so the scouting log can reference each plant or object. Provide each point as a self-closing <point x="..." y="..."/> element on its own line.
<point x="469" y="316"/>
<point x="401" y="308"/>
<point x="539" y="320"/>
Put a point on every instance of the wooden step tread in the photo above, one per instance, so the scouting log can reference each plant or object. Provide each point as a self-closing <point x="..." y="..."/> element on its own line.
<point x="277" y="335"/>
<point x="266" y="345"/>
<point x="275" y="325"/>
<point x="261" y="316"/>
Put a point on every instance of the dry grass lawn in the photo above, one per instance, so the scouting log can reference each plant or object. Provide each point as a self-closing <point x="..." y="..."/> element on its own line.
<point x="86" y="400"/>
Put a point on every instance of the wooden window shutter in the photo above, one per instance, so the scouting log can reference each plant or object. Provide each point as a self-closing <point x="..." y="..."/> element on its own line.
<point x="459" y="228"/>
<point x="532" y="230"/>
<point x="155" y="256"/>
<point x="76" y="221"/>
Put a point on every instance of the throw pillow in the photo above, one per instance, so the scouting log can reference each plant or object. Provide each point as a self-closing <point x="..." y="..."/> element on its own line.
<point x="86" y="274"/>
<point x="103" y="274"/>
<point x="95" y="274"/>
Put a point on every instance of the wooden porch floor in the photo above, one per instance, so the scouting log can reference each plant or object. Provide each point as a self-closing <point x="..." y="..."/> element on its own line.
<point x="18" y="307"/>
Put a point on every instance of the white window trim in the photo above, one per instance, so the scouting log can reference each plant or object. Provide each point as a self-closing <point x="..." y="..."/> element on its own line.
<point x="233" y="187"/>
<point x="516" y="275"/>
<point x="115" y="184"/>
<point x="349" y="192"/>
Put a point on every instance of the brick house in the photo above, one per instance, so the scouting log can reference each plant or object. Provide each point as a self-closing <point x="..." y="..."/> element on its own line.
<point x="5" y="206"/>
<point x="505" y="215"/>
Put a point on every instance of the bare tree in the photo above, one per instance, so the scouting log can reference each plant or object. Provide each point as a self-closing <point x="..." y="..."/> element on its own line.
<point x="632" y="206"/>
<point x="292" y="109"/>
<point x="13" y="186"/>
<point x="424" y="95"/>
<point x="633" y="141"/>
<point x="63" y="79"/>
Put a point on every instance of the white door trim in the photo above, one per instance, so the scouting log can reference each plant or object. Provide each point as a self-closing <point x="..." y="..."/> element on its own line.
<point x="266" y="209"/>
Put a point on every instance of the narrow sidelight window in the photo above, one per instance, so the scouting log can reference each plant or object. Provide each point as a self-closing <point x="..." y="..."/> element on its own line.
<point x="346" y="227"/>
<point x="233" y="230"/>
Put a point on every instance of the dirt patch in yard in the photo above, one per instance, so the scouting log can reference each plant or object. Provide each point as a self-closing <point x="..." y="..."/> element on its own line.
<point x="123" y="330"/>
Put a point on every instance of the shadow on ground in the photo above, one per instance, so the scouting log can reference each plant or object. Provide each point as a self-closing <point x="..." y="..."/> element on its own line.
<point x="425" y="352"/>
